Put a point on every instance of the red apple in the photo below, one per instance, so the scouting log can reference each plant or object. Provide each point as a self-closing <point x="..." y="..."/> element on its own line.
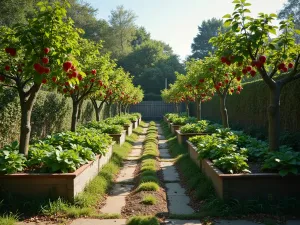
<point x="45" y="60"/>
<point x="46" y="50"/>
<point x="13" y="52"/>
<point x="291" y="65"/>
<point x="7" y="68"/>
<point x="54" y="79"/>
<point x="2" y="78"/>
<point x="223" y="59"/>
<point x="244" y="71"/>
<point x="47" y="70"/>
<point x="262" y="59"/>
<point x="44" y="81"/>
<point x="79" y="77"/>
<point x="238" y="78"/>
<point x="67" y="83"/>
<point x="249" y="68"/>
<point x="226" y="81"/>
<point x="284" y="69"/>
<point x="65" y="90"/>
<point x="252" y="73"/>
<point x="281" y="66"/>
<point x="201" y="80"/>
<point x="67" y="65"/>
<point x="94" y="71"/>
<point x="92" y="80"/>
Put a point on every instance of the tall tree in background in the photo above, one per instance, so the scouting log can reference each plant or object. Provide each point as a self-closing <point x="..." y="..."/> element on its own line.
<point x="123" y="26"/>
<point x="292" y="8"/>
<point x="201" y="46"/>
<point x="151" y="63"/>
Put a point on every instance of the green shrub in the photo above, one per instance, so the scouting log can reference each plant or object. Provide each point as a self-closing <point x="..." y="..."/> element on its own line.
<point x="143" y="220"/>
<point x="118" y="120"/>
<point x="149" y="178"/>
<point x="149" y="200"/>
<point x="148" y="186"/>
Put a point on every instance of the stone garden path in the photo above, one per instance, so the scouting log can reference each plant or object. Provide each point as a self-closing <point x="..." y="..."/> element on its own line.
<point x="178" y="201"/>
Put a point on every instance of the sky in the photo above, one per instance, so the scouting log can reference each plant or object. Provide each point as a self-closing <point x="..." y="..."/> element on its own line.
<point x="176" y="21"/>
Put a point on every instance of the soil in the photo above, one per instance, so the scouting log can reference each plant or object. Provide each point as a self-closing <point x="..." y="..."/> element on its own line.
<point x="134" y="205"/>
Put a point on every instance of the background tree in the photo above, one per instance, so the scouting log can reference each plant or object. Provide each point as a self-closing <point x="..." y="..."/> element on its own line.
<point x="123" y="26"/>
<point x="208" y="29"/>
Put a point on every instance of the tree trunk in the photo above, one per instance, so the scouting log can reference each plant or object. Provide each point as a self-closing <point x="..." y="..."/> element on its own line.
<point x="274" y="119"/>
<point x="79" y="110"/>
<point x="187" y="109"/>
<point x="74" y="115"/>
<point x="97" y="109"/>
<point x="198" y="106"/>
<point x="223" y="110"/>
<point x="109" y="110"/>
<point x="26" y="110"/>
<point x="177" y="108"/>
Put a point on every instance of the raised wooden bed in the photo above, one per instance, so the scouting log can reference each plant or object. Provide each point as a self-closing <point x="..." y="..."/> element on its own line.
<point x="166" y="119"/>
<point x="174" y="128"/>
<point x="267" y="186"/>
<point x="193" y="153"/>
<point x="46" y="185"/>
<point x="119" y="138"/>
<point x="135" y="124"/>
<point x="182" y="138"/>
<point x="128" y="129"/>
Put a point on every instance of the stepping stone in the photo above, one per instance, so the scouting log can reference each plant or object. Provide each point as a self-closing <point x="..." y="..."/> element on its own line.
<point x="169" y="171"/>
<point x="126" y="175"/>
<point x="137" y="146"/>
<point x="164" y="153"/>
<point x="179" y="205"/>
<point x="161" y="137"/>
<point x="99" y="222"/>
<point x="136" y="152"/>
<point x="114" y="204"/>
<point x="163" y="141"/>
<point x="137" y="143"/>
<point x="183" y="222"/>
<point x="132" y="158"/>
<point x="162" y="145"/>
<point x="121" y="189"/>
<point x="174" y="189"/>
<point x="236" y="222"/>
<point x="129" y="163"/>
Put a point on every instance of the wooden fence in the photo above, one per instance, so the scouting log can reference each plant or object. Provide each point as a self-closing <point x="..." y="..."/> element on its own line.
<point x="153" y="110"/>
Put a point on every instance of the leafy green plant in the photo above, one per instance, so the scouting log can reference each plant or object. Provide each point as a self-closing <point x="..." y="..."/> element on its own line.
<point x="62" y="161"/>
<point x="149" y="200"/>
<point x="105" y="128"/>
<point x="85" y="153"/>
<point x="198" y="127"/>
<point x="11" y="161"/>
<point x="233" y="163"/>
<point x="284" y="161"/>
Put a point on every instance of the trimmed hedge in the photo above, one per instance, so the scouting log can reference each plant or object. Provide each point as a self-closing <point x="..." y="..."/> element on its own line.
<point x="52" y="113"/>
<point x="248" y="111"/>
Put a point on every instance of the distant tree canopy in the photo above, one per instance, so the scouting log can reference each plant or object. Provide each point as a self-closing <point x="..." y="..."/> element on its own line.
<point x="148" y="60"/>
<point x="208" y="29"/>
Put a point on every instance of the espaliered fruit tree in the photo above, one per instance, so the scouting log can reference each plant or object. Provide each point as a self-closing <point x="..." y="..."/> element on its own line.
<point x="33" y="55"/>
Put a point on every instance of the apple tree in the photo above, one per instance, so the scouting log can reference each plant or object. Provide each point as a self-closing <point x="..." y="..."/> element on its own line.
<point x="33" y="54"/>
<point x="275" y="58"/>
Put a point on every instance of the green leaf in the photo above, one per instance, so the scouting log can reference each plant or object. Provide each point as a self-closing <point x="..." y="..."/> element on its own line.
<point x="283" y="172"/>
<point x="227" y="16"/>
